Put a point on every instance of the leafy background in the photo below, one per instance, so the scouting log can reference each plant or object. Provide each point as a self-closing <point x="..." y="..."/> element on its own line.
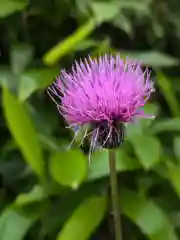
<point x="47" y="193"/>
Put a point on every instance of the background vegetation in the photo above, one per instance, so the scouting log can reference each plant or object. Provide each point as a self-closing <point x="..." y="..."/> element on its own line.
<point x="47" y="193"/>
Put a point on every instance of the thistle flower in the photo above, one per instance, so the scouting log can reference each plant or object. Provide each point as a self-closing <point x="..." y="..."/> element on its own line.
<point x="103" y="93"/>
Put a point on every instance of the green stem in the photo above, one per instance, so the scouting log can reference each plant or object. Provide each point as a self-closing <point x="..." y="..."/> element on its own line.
<point x="114" y="195"/>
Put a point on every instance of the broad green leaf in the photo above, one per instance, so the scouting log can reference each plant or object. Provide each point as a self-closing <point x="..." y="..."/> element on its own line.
<point x="147" y="149"/>
<point x="13" y="225"/>
<point x="64" y="47"/>
<point x="176" y="146"/>
<point x="166" y="89"/>
<point x="99" y="166"/>
<point x="35" y="79"/>
<point x="152" y="221"/>
<point x="35" y="195"/>
<point x="84" y="220"/>
<point x="167" y="125"/>
<point x="104" y="11"/>
<point x="8" y="7"/>
<point x="23" y="131"/>
<point x="69" y="168"/>
<point x="152" y="58"/>
<point x="21" y="56"/>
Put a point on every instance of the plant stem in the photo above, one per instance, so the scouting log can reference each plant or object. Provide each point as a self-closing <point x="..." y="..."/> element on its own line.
<point x="114" y="195"/>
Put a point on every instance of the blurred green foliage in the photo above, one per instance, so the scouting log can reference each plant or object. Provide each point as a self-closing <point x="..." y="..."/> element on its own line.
<point x="48" y="193"/>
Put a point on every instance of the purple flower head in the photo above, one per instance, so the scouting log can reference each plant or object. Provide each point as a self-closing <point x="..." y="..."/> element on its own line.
<point x="104" y="93"/>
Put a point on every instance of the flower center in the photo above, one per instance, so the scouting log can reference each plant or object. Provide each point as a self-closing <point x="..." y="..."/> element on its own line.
<point x="111" y="135"/>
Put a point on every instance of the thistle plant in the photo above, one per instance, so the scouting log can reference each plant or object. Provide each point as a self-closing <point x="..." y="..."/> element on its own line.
<point x="101" y="96"/>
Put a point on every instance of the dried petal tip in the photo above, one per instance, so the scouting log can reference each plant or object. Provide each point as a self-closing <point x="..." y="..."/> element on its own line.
<point x="104" y="93"/>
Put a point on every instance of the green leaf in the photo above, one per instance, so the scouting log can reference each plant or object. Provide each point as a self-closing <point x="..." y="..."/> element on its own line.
<point x="83" y="7"/>
<point x="45" y="119"/>
<point x="35" y="79"/>
<point x="99" y="166"/>
<point x="176" y="146"/>
<point x="152" y="58"/>
<point x="167" y="125"/>
<point x="7" y="79"/>
<point x="167" y="90"/>
<point x="173" y="173"/>
<point x="149" y="109"/>
<point x="87" y="43"/>
<point x="69" y="168"/>
<point x="147" y="149"/>
<point x="137" y="6"/>
<point x="13" y="225"/>
<point x="152" y="221"/>
<point x="103" y="48"/>
<point x="23" y="131"/>
<point x="124" y="23"/>
<point x="64" y="47"/>
<point x="84" y="220"/>
<point x="104" y="11"/>
<point x="21" y="56"/>
<point x="53" y="144"/>
<point x="35" y="195"/>
<point x="8" y="7"/>
<point x="142" y="124"/>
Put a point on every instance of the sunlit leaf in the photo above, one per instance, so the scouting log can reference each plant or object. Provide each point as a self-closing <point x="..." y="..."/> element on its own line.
<point x="84" y="220"/>
<point x="69" y="168"/>
<point x="8" y="7"/>
<point x="152" y="221"/>
<point x="23" y="131"/>
<point x="35" y="195"/>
